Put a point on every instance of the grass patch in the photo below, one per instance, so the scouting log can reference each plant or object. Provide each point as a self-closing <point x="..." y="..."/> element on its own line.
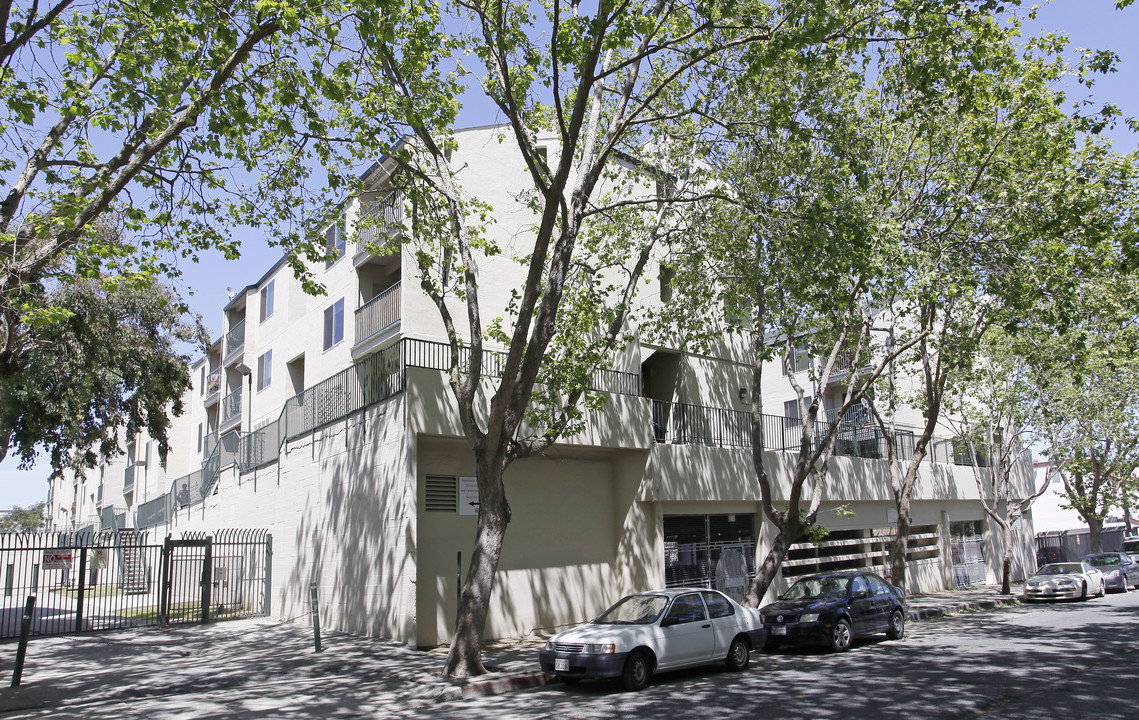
<point x="179" y="611"/>
<point x="89" y="592"/>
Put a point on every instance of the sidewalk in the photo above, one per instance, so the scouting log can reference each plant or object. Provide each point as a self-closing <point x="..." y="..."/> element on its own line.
<point x="264" y="668"/>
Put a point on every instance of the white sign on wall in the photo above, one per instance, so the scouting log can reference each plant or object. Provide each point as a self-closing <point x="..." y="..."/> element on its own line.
<point x="468" y="496"/>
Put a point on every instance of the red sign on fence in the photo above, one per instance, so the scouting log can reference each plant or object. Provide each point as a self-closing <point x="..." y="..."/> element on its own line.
<point x="57" y="559"/>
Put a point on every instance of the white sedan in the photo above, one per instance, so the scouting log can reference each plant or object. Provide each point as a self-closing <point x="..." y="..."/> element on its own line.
<point x="1065" y="581"/>
<point x="655" y="631"/>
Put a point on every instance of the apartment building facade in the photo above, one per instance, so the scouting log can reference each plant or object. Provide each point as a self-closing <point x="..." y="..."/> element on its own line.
<point x="327" y="420"/>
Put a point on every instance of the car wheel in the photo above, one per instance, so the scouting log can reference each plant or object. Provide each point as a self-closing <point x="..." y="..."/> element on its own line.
<point x="841" y="636"/>
<point x="1102" y="589"/>
<point x="739" y="654"/>
<point x="1084" y="592"/>
<point x="897" y="625"/>
<point x="636" y="673"/>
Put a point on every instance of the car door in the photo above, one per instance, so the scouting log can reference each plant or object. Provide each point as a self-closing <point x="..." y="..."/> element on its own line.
<point x="686" y="636"/>
<point x="725" y="622"/>
<point x="883" y="600"/>
<point x="861" y="605"/>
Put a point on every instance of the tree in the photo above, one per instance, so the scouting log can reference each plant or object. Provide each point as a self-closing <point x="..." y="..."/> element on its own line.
<point x="147" y="110"/>
<point x="19" y="519"/>
<point x="989" y="408"/>
<point x="1086" y="386"/>
<point x="983" y="179"/>
<point x="112" y="359"/>
<point x="611" y="82"/>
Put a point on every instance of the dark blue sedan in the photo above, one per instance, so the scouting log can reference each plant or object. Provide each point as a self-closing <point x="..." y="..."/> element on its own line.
<point x="831" y="609"/>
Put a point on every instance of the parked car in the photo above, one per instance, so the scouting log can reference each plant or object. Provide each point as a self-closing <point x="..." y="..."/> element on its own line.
<point x="1131" y="547"/>
<point x="832" y="609"/>
<point x="653" y="631"/>
<point x="1065" y="581"/>
<point x="1120" y="572"/>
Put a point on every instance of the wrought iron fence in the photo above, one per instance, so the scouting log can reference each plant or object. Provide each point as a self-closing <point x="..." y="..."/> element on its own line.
<point x="87" y="581"/>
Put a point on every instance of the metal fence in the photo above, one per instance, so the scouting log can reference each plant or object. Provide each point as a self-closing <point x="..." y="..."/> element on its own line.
<point x="110" y="580"/>
<point x="1072" y="545"/>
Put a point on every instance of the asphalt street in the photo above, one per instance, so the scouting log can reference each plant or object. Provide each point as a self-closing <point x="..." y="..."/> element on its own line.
<point x="1039" y="661"/>
<point x="1071" y="660"/>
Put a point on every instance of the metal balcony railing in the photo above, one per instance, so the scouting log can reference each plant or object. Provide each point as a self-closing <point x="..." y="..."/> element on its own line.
<point x="231" y="406"/>
<point x="379" y="221"/>
<point x="377" y="314"/>
<point x="128" y="477"/>
<point x="213" y="382"/>
<point x="234" y="339"/>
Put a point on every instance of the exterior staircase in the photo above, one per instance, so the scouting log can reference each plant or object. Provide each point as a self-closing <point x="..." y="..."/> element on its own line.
<point x="133" y="577"/>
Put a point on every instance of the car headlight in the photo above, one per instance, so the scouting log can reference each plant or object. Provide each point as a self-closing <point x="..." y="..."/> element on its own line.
<point x="549" y="644"/>
<point x="809" y="617"/>
<point x="1032" y="584"/>
<point x="601" y="649"/>
<point x="1065" y="583"/>
<point x="1114" y="573"/>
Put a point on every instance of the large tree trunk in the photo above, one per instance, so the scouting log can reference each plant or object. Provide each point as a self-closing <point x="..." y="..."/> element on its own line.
<point x="901" y="544"/>
<point x="1006" y="564"/>
<point x="766" y="573"/>
<point x="1095" y="535"/>
<point x="465" y="657"/>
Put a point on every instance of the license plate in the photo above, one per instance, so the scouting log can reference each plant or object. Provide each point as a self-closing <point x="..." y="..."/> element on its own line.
<point x="561" y="665"/>
<point x="778" y="630"/>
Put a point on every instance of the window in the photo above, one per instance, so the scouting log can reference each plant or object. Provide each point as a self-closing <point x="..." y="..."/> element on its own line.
<point x="200" y="436"/>
<point x="334" y="324"/>
<point x="334" y="242"/>
<point x="799" y="360"/>
<point x="265" y="370"/>
<point x="267" y="301"/>
<point x="686" y="609"/>
<point x="791" y="411"/>
<point x="718" y="606"/>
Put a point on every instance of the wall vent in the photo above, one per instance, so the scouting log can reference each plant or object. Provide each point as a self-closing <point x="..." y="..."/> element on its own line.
<point x="442" y="493"/>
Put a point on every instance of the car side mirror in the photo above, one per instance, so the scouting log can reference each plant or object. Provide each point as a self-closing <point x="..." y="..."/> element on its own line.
<point x="861" y="594"/>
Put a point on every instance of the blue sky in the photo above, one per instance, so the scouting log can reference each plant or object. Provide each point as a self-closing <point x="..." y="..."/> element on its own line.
<point x="1089" y="23"/>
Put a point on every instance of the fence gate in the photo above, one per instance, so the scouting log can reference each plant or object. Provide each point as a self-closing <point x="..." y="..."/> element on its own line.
<point x="91" y="581"/>
<point x="186" y="581"/>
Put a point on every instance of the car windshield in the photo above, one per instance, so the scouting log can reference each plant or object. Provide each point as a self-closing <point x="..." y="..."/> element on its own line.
<point x="1131" y="546"/>
<point x="818" y="588"/>
<point x="1061" y="569"/>
<point x="634" y="610"/>
<point x="1103" y="560"/>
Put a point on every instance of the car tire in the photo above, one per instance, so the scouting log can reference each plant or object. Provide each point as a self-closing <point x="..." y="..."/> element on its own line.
<point x="1102" y="589"/>
<point x="1084" y="591"/>
<point x="897" y="629"/>
<point x="635" y="676"/>
<point x="841" y="636"/>
<point x="739" y="655"/>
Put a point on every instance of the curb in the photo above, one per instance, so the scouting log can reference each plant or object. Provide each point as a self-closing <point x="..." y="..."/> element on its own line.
<point x="931" y="613"/>
<point x="483" y="687"/>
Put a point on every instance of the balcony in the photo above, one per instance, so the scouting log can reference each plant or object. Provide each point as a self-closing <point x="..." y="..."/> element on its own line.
<point x="234" y="342"/>
<point x="213" y="387"/>
<point x="378" y="221"/>
<point x="378" y="314"/>
<point x="129" y="476"/>
<point x="231" y="409"/>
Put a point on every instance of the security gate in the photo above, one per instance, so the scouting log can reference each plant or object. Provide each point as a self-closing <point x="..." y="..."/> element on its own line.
<point x="186" y="581"/>
<point x="106" y="580"/>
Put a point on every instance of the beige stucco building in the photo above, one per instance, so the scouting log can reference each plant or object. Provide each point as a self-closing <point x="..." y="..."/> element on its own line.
<point x="327" y="420"/>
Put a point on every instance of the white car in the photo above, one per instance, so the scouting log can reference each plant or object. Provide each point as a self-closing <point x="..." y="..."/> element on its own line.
<point x="655" y="631"/>
<point x="1065" y="581"/>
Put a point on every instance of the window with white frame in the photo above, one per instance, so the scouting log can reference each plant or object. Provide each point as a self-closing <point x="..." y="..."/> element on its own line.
<point x="265" y="370"/>
<point x="334" y="242"/>
<point x="267" y="301"/>
<point x="334" y="324"/>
